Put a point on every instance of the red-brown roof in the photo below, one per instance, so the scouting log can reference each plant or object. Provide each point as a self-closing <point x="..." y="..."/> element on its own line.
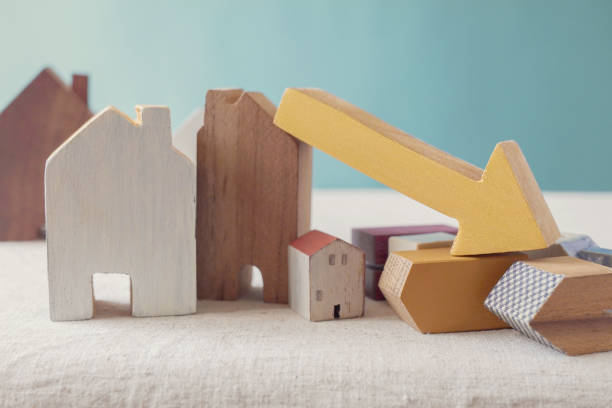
<point x="313" y="241"/>
<point x="32" y="126"/>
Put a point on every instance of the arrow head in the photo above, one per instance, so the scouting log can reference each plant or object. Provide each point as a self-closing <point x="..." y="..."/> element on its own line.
<point x="512" y="214"/>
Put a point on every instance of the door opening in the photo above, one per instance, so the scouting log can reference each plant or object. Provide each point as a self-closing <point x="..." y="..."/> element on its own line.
<point x="336" y="311"/>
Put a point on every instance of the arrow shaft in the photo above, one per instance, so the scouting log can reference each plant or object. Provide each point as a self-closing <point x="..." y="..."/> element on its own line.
<point x="386" y="154"/>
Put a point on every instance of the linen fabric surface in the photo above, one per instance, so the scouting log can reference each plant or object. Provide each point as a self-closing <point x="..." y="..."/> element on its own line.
<point x="251" y="353"/>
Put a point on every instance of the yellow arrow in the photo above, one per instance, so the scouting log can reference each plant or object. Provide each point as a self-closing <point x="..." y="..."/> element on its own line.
<point x="500" y="209"/>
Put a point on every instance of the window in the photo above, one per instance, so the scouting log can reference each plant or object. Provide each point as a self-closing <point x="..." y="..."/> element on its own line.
<point x="344" y="259"/>
<point x="332" y="259"/>
<point x="319" y="295"/>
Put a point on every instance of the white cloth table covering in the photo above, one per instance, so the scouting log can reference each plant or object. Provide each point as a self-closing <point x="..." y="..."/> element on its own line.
<point x="250" y="353"/>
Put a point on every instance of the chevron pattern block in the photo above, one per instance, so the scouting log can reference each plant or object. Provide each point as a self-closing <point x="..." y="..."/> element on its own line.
<point x="561" y="302"/>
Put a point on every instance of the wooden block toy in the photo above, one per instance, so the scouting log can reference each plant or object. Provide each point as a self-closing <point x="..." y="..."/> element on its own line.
<point x="435" y="292"/>
<point x="326" y="277"/>
<point x="254" y="183"/>
<point x="121" y="199"/>
<point x="185" y="138"/>
<point x="374" y="242"/>
<point x="34" y="124"/>
<point x="567" y="245"/>
<point x="500" y="209"/>
<point x="598" y="255"/>
<point x="562" y="302"/>
<point x="421" y="241"/>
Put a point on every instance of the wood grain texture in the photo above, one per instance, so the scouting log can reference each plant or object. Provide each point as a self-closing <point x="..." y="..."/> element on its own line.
<point x="374" y="241"/>
<point x="436" y="292"/>
<point x="254" y="183"/>
<point x="328" y="283"/>
<point x="121" y="199"/>
<point x="500" y="209"/>
<point x="33" y="125"/>
<point x="562" y="302"/>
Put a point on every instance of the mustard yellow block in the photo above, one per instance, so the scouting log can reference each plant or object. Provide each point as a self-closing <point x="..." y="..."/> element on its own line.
<point x="500" y="209"/>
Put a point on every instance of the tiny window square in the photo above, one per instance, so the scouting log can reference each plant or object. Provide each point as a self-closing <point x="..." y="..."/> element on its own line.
<point x="332" y="259"/>
<point x="319" y="295"/>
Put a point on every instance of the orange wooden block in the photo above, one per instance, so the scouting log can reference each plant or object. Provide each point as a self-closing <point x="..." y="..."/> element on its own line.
<point x="436" y="292"/>
<point x="35" y="123"/>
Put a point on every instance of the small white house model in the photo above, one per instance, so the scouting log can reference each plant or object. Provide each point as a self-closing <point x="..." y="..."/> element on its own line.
<point x="326" y="277"/>
<point x="121" y="199"/>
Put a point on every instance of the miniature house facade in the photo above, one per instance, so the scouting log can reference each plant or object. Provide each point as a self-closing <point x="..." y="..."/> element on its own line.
<point x="121" y="199"/>
<point x="326" y="277"/>
<point x="32" y="126"/>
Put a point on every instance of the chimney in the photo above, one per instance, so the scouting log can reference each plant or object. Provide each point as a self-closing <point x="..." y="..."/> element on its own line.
<point x="79" y="87"/>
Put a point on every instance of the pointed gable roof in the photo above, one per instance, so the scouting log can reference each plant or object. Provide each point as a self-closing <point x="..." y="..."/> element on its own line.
<point x="312" y="242"/>
<point x="44" y="114"/>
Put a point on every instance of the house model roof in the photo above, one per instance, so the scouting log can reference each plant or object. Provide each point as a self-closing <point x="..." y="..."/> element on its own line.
<point x="312" y="242"/>
<point x="44" y="114"/>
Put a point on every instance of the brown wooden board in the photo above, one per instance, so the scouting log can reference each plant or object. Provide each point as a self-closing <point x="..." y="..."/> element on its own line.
<point x="38" y="120"/>
<point x="253" y="196"/>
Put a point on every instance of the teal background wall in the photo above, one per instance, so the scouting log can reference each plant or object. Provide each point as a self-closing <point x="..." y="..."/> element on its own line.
<point x="460" y="75"/>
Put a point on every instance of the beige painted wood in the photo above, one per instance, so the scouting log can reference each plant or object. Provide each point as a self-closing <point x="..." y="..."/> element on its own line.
<point x="185" y="139"/>
<point x="121" y="199"/>
<point x="299" y="282"/>
<point x="337" y="284"/>
<point x="420" y="241"/>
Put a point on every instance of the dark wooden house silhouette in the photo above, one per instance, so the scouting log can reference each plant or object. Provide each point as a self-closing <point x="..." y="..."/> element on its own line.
<point x="33" y="125"/>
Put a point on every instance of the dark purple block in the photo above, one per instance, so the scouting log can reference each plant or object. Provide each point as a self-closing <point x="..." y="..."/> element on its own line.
<point x="374" y="241"/>
<point x="372" y="276"/>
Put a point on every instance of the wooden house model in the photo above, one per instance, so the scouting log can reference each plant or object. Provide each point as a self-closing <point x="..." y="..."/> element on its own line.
<point x="254" y="184"/>
<point x="326" y="277"/>
<point x="121" y="199"/>
<point x="32" y="126"/>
